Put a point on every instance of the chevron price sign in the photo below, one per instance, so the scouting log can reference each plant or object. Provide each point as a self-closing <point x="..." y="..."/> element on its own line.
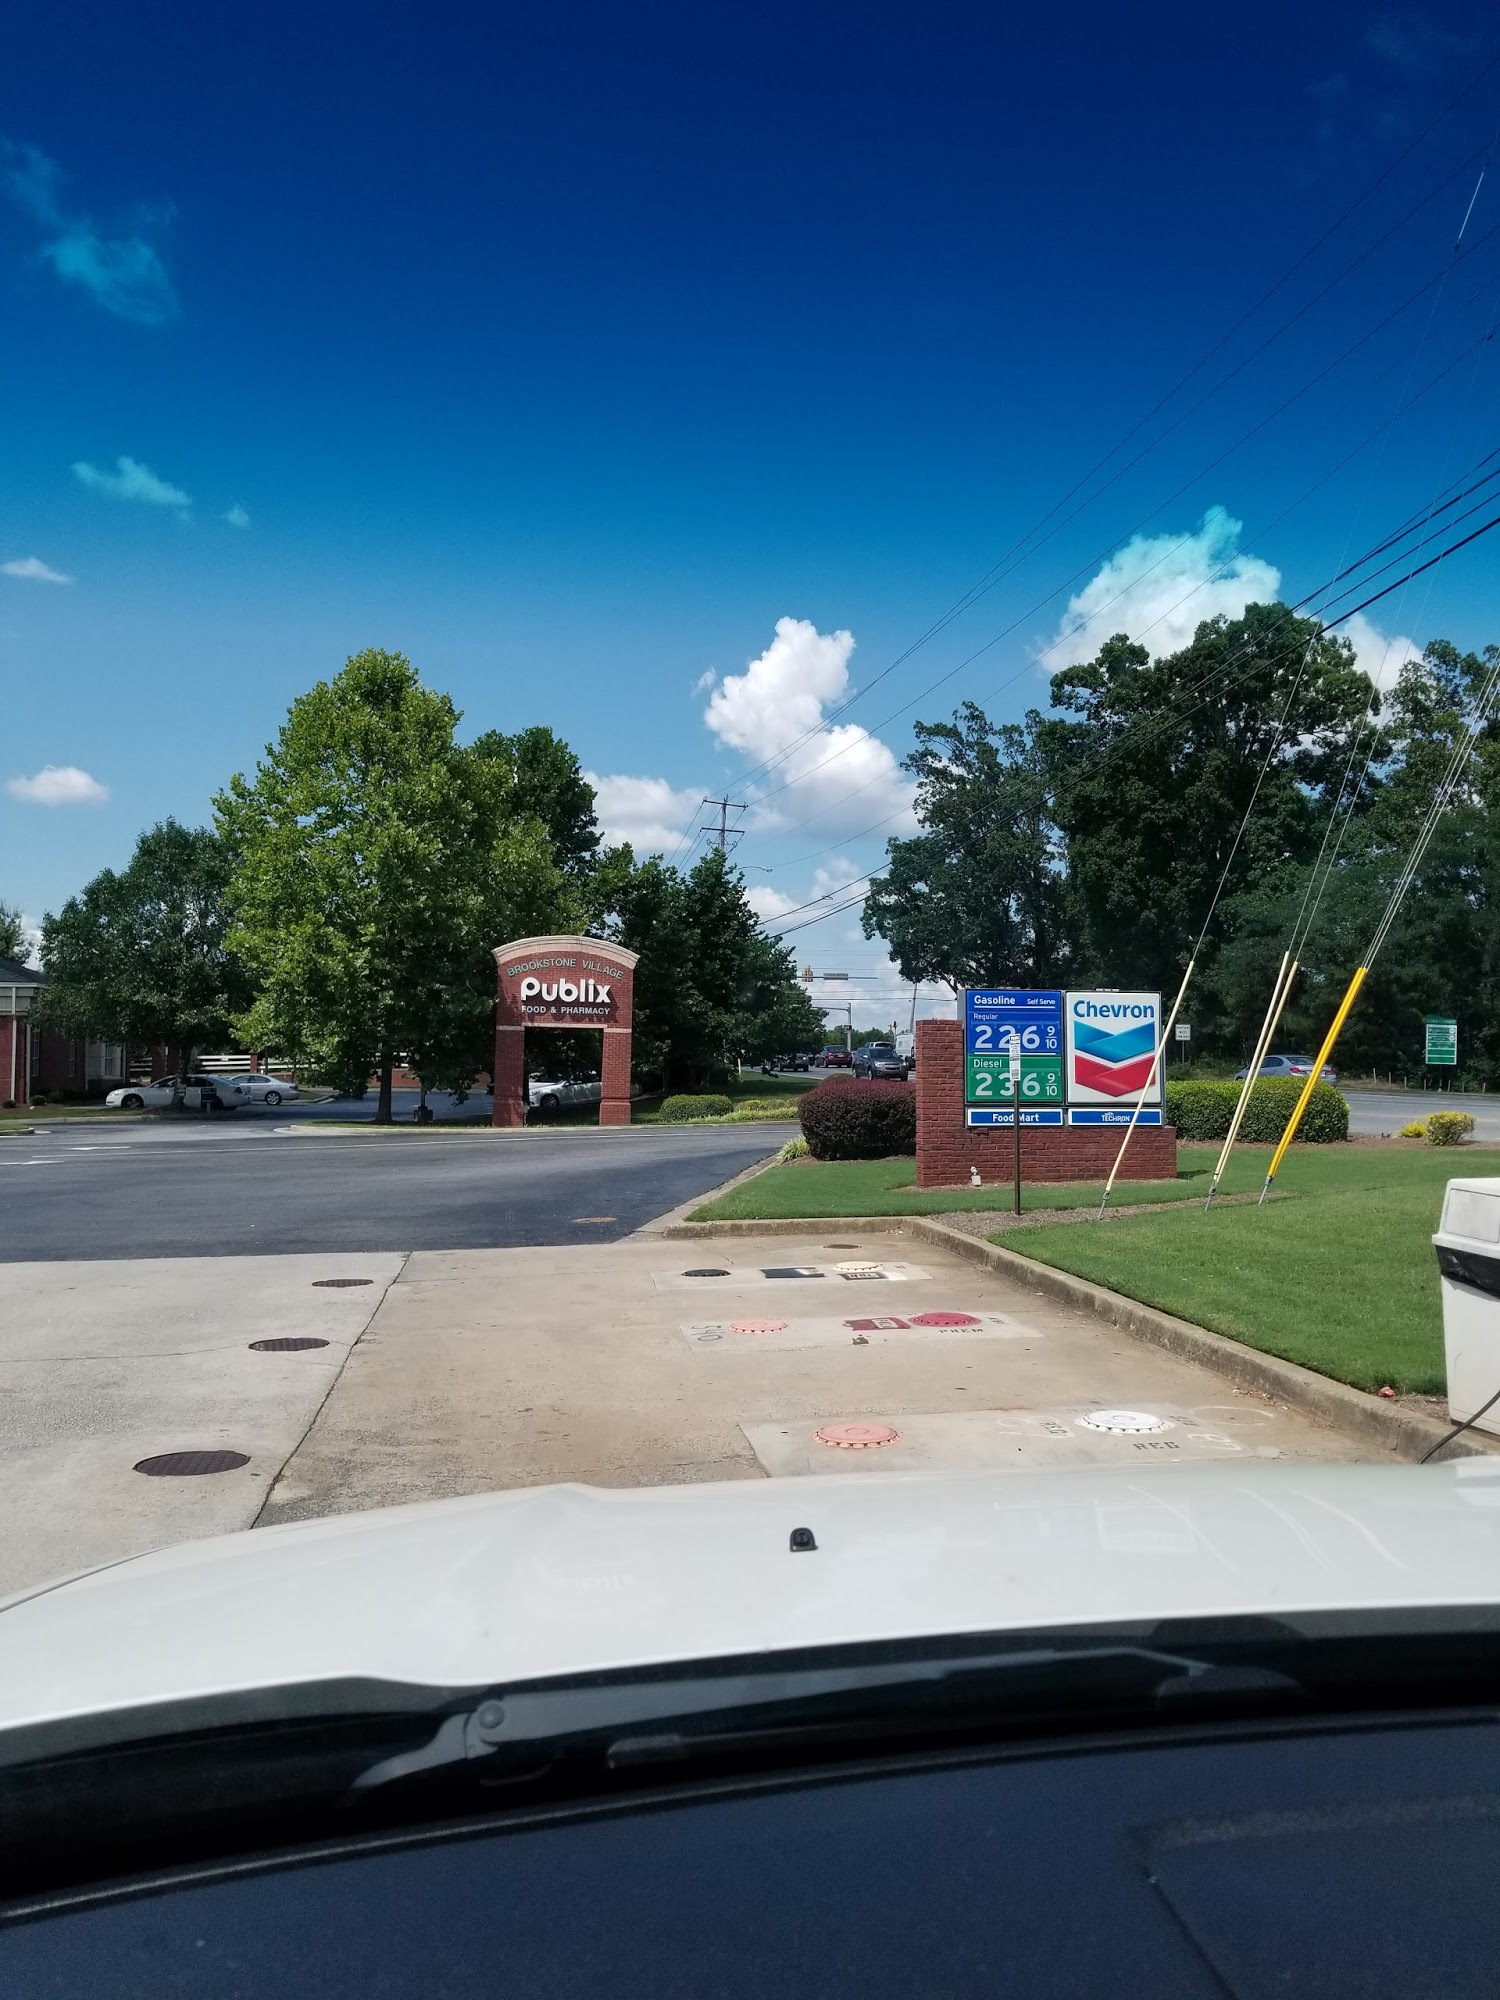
<point x="1111" y="1039"/>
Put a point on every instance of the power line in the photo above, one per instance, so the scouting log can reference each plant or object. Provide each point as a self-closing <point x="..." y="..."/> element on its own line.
<point x="1094" y="561"/>
<point x="1019" y="551"/>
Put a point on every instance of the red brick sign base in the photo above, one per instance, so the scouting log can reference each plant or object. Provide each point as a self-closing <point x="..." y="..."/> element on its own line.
<point x="947" y="1148"/>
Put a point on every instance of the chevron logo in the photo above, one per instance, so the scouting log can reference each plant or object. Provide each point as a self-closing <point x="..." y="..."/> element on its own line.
<point x="1117" y="1045"/>
<point x="1117" y="1079"/>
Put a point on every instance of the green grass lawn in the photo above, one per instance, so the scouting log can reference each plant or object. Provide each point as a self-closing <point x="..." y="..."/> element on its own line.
<point x="1339" y="1275"/>
<point x="886" y="1187"/>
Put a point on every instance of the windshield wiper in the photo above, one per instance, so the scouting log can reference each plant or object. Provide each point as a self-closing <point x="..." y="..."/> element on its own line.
<point x="532" y="1727"/>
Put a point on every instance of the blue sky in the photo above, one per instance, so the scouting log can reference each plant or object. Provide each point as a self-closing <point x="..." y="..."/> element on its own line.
<point x="586" y="355"/>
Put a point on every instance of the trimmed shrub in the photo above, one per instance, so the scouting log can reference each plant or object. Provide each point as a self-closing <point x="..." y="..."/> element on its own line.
<point x="766" y="1107"/>
<point x="1416" y="1130"/>
<point x="845" y="1120"/>
<point x="678" y="1110"/>
<point x="1446" y="1128"/>
<point x="1203" y="1110"/>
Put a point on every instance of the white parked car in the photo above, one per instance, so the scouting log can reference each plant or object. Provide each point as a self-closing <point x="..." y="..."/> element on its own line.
<point x="196" y="1089"/>
<point x="272" y="1090"/>
<point x="550" y="1093"/>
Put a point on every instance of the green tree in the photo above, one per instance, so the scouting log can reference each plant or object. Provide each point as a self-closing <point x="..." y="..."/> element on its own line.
<point x="546" y="784"/>
<point x="978" y="896"/>
<point x="12" y="933"/>
<point x="143" y="956"/>
<point x="377" y="864"/>
<point x="1153" y="763"/>
<point x="711" y="986"/>
<point x="1443" y="952"/>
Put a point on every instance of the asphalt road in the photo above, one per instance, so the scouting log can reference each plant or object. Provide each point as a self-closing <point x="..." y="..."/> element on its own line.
<point x="1373" y="1113"/>
<point x="232" y="1189"/>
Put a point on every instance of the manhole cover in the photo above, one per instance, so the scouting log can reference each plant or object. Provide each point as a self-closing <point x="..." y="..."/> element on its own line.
<point x="757" y="1326"/>
<point x="189" y="1464"/>
<point x="1128" y="1422"/>
<point x="705" y="1274"/>
<point x="340" y="1284"/>
<point x="840" y="1246"/>
<point x="289" y="1345"/>
<point x="856" y="1437"/>
<point x="944" y="1319"/>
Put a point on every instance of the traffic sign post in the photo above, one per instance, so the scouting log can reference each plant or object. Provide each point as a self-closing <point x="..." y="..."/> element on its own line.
<point x="1013" y="1078"/>
<point x="1442" y="1042"/>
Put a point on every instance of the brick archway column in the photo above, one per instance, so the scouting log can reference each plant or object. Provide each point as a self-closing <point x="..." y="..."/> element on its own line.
<point x="563" y="982"/>
<point x="614" y="1102"/>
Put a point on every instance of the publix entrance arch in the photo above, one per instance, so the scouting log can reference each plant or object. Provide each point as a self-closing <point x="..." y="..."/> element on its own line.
<point x="562" y="982"/>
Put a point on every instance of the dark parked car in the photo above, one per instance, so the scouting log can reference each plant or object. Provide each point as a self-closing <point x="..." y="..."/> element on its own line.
<point x="880" y="1059"/>
<point x="837" y="1058"/>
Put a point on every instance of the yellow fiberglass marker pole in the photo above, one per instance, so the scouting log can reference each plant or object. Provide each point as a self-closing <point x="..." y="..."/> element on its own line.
<point x="1317" y="1070"/>
<point x="1146" y="1087"/>
<point x="1281" y="992"/>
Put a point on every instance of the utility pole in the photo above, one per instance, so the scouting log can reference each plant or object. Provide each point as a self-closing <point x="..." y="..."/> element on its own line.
<point x="723" y="830"/>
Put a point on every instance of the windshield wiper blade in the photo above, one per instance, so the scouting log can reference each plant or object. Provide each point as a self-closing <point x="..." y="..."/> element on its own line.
<point x="543" y="1723"/>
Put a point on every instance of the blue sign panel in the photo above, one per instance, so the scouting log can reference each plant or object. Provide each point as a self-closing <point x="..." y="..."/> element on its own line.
<point x="1112" y="1114"/>
<point x="982" y="1114"/>
<point x="991" y="1012"/>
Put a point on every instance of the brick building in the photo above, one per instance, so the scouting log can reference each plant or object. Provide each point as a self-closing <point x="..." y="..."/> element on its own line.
<point x="34" y="1059"/>
<point x="948" y="1148"/>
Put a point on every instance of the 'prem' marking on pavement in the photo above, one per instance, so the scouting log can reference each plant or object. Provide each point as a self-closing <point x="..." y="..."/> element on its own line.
<point x="775" y="1336"/>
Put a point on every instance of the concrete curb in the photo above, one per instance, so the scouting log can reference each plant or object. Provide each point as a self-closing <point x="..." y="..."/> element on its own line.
<point x="1348" y="1410"/>
<point x="1333" y="1403"/>
<point x="808" y="1225"/>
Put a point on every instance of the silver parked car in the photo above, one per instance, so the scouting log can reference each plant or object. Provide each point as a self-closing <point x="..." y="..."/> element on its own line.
<point x="1298" y="1066"/>
<point x="271" y="1090"/>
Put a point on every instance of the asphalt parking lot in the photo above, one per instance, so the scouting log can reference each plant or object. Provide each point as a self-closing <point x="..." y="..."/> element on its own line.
<point x="212" y="1188"/>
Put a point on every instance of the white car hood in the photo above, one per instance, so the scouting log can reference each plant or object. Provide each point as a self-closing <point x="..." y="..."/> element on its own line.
<point x="562" y="1579"/>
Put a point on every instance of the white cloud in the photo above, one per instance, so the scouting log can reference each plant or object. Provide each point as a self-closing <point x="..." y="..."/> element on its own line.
<point x="236" y="516"/>
<point x="124" y="274"/>
<point x="1380" y="657"/>
<point x="1160" y="588"/>
<point x="775" y="709"/>
<point x="647" y="812"/>
<point x="131" y="480"/>
<point x="769" y="903"/>
<point x="34" y="569"/>
<point x="58" y="785"/>
<point x="705" y="681"/>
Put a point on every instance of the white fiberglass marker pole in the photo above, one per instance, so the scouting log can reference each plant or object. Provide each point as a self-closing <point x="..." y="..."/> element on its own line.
<point x="1280" y="993"/>
<point x="1160" y="1051"/>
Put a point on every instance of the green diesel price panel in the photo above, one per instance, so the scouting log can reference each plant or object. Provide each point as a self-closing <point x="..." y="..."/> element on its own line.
<point x="988" y="1080"/>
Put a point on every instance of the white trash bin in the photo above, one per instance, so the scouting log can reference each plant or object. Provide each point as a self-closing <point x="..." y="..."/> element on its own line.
<point x="1468" y="1252"/>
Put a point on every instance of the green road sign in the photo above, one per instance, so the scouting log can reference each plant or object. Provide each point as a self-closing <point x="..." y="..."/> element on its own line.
<point x="988" y="1081"/>
<point x="1442" y="1040"/>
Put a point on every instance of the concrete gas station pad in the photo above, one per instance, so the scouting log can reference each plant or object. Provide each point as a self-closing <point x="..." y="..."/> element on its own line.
<point x="499" y="1368"/>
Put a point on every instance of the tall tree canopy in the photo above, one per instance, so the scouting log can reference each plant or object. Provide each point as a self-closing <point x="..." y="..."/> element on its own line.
<point x="1087" y="844"/>
<point x="12" y="933"/>
<point x="1152" y="764"/>
<point x="711" y="986"/>
<point x="979" y="895"/>
<point x="376" y="864"/>
<point x="546" y="784"/>
<point x="143" y="956"/>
